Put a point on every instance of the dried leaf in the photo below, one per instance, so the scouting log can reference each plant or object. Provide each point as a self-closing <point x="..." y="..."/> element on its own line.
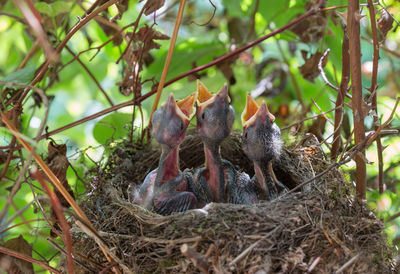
<point x="226" y="69"/>
<point x="152" y="5"/>
<point x="147" y="35"/>
<point x="122" y="6"/>
<point x="309" y="70"/>
<point x="385" y="24"/>
<point x="58" y="163"/>
<point x="14" y="265"/>
<point x="311" y="30"/>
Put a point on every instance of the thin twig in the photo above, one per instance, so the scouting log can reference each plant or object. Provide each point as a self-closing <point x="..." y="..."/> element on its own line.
<point x="183" y="75"/>
<point x="100" y="242"/>
<point x="56" y="205"/>
<point x="321" y="70"/>
<point x="27" y="258"/>
<point x="29" y="158"/>
<point x="34" y="23"/>
<point x="19" y="19"/>
<point x="347" y="264"/>
<point x="90" y="75"/>
<point x="169" y="57"/>
<point x="373" y="89"/>
<point x="83" y="21"/>
<point x="342" y="93"/>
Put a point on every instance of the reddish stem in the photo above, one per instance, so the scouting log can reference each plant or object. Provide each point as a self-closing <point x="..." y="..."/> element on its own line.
<point x="55" y="202"/>
<point x="342" y="93"/>
<point x="373" y="90"/>
<point x="353" y="23"/>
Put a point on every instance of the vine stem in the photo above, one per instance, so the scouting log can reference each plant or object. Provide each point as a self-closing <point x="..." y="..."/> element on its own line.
<point x="169" y="57"/>
<point x="373" y="90"/>
<point x="353" y="23"/>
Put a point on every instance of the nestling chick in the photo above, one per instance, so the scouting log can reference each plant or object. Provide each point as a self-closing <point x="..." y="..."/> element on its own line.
<point x="164" y="189"/>
<point x="215" y="118"/>
<point x="261" y="143"/>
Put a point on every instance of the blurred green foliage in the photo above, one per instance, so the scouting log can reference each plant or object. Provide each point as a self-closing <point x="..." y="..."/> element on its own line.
<point x="74" y="94"/>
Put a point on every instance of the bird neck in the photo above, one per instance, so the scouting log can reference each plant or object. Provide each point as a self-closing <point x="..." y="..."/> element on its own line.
<point x="168" y="167"/>
<point x="213" y="164"/>
<point x="264" y="178"/>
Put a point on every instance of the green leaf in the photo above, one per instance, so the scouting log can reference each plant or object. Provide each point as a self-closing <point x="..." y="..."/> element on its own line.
<point x="111" y="126"/>
<point x="22" y="76"/>
<point x="52" y="9"/>
<point x="43" y="8"/>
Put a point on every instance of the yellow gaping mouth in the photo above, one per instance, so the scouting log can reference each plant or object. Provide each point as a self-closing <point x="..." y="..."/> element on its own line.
<point x="186" y="106"/>
<point x="205" y="97"/>
<point x="252" y="110"/>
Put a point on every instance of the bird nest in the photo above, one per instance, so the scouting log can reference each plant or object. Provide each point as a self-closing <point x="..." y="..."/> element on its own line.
<point x="320" y="229"/>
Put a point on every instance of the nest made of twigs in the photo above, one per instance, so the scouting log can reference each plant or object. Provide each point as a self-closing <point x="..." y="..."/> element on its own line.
<point x="321" y="229"/>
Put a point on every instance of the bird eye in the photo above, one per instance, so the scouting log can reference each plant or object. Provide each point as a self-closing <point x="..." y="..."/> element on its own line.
<point x="203" y="116"/>
<point x="181" y="125"/>
<point x="245" y="135"/>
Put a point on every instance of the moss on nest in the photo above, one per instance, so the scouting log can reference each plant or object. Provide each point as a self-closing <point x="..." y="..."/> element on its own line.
<point x="319" y="229"/>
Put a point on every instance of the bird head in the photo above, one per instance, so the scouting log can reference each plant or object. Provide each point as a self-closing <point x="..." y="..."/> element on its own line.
<point x="171" y="120"/>
<point x="261" y="136"/>
<point x="215" y="116"/>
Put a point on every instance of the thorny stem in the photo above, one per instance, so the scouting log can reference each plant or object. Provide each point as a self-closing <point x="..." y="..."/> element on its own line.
<point x="373" y="90"/>
<point x="353" y="23"/>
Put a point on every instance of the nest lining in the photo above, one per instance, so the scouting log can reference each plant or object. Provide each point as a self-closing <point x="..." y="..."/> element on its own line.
<point x="319" y="229"/>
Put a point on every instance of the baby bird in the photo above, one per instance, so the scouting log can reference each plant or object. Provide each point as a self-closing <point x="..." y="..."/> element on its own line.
<point x="215" y="118"/>
<point x="164" y="189"/>
<point x="261" y="143"/>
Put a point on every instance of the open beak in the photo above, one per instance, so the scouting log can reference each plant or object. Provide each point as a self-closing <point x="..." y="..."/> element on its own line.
<point x="252" y="111"/>
<point x="186" y="106"/>
<point x="205" y="97"/>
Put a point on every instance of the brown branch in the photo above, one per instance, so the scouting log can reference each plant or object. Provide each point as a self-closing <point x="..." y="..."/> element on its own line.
<point x="27" y="258"/>
<point x="321" y="70"/>
<point x="212" y="16"/>
<point x="394" y="216"/>
<point x="342" y="92"/>
<point x="353" y="23"/>
<point x="22" y="223"/>
<point x="83" y="21"/>
<point x="183" y="75"/>
<point x="169" y="57"/>
<point x="19" y="19"/>
<point x="136" y="24"/>
<point x="34" y="23"/>
<point x="373" y="90"/>
<point x="56" y="205"/>
<point x="91" y="75"/>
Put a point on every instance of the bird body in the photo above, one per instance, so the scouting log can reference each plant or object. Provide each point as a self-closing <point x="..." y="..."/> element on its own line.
<point x="215" y="118"/>
<point x="261" y="143"/>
